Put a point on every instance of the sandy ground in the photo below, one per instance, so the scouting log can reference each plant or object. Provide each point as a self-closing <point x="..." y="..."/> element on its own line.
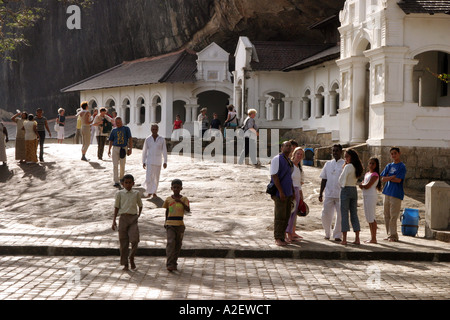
<point x="226" y="199"/>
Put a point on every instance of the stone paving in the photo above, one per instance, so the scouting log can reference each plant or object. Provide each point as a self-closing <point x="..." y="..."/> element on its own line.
<point x="80" y="261"/>
<point x="100" y="278"/>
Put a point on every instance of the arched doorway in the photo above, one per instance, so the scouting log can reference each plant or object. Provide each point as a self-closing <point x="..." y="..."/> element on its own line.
<point x="140" y="111"/>
<point x="179" y="108"/>
<point x="428" y="89"/>
<point x="110" y="106"/>
<point x="277" y="106"/>
<point x="216" y="102"/>
<point x="126" y="118"/>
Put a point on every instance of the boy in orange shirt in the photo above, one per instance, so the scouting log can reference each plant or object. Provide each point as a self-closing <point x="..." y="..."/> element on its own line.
<point x="175" y="205"/>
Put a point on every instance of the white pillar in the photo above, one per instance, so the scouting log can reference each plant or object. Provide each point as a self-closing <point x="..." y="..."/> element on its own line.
<point x="262" y="109"/>
<point x="332" y="104"/>
<point x="409" y="80"/>
<point x="194" y="112"/>
<point x="287" y="108"/>
<point x="153" y="112"/>
<point x="358" y="101"/>
<point x="188" y="108"/>
<point x="305" y="102"/>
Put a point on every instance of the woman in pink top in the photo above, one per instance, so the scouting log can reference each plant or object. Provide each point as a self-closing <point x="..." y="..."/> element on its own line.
<point x="369" y="188"/>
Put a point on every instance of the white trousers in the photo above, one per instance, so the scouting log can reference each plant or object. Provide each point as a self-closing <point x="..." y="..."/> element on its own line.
<point x="330" y="206"/>
<point x="152" y="178"/>
<point x="116" y="163"/>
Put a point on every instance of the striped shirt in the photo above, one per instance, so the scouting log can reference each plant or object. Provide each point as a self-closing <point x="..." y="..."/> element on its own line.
<point x="175" y="211"/>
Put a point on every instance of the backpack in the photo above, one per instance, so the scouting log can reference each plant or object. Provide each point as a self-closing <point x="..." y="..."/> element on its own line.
<point x="107" y="126"/>
<point x="245" y="124"/>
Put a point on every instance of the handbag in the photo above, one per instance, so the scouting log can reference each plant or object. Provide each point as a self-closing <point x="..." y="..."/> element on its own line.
<point x="56" y="127"/>
<point x="123" y="153"/>
<point x="271" y="189"/>
<point x="303" y="209"/>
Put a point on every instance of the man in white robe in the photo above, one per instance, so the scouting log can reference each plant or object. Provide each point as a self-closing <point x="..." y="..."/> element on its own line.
<point x="153" y="153"/>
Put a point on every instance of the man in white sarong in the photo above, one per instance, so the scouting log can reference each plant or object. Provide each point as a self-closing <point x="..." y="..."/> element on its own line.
<point x="153" y="153"/>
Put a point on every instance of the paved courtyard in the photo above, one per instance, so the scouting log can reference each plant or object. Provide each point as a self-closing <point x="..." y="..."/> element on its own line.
<point x="101" y="278"/>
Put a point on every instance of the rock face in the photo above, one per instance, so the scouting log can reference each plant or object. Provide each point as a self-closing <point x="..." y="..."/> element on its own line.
<point x="117" y="31"/>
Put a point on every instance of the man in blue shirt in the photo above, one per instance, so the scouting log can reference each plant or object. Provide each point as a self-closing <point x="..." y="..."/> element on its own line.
<point x="393" y="175"/>
<point x="121" y="142"/>
<point x="281" y="172"/>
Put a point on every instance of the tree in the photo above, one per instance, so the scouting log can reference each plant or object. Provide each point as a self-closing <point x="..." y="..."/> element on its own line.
<point x="441" y="76"/>
<point x="18" y="15"/>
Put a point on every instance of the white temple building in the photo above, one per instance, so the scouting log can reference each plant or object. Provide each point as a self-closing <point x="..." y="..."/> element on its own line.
<point x="372" y="82"/>
<point x="156" y="89"/>
<point x="375" y="86"/>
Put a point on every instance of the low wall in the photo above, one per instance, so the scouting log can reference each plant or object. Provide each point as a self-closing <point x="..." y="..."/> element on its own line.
<point x="423" y="164"/>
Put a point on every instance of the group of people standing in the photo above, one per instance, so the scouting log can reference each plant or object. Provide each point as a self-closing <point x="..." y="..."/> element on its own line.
<point x="31" y="132"/>
<point x="338" y="193"/>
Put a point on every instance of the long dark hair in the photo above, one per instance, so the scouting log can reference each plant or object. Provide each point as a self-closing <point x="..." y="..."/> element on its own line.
<point x="377" y="170"/>
<point x="356" y="162"/>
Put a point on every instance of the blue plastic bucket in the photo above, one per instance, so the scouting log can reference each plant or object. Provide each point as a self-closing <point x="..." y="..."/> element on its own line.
<point x="309" y="157"/>
<point x="410" y="222"/>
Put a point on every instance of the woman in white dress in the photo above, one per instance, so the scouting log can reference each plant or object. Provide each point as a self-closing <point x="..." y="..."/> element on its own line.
<point x="19" y="119"/>
<point x="297" y="181"/>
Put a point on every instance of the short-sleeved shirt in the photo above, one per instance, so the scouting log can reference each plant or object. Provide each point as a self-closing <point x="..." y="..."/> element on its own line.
<point x="250" y="123"/>
<point x="40" y="123"/>
<point x="215" y="124"/>
<point x="372" y="191"/>
<point x="176" y="211"/>
<point x="120" y="136"/>
<point x="204" y="120"/>
<point x="128" y="202"/>
<point x="62" y="119"/>
<point x="281" y="167"/>
<point x="391" y="188"/>
<point x="331" y="172"/>
<point x="297" y="177"/>
<point x="99" y="129"/>
<point x="29" y="130"/>
<point x="177" y="124"/>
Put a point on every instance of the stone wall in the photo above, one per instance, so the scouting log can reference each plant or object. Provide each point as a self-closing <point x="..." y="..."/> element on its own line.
<point x="308" y="138"/>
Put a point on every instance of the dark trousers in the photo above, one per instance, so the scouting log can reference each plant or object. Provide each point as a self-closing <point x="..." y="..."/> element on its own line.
<point x="101" y="140"/>
<point x="41" y="144"/>
<point x="175" y="236"/>
<point x="282" y="212"/>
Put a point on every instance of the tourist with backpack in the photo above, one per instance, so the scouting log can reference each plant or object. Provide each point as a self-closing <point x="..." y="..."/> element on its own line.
<point x="103" y="127"/>
<point x="251" y="136"/>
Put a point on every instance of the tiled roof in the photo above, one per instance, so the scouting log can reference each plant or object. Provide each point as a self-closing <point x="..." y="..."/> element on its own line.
<point x="332" y="53"/>
<point x="178" y="66"/>
<point x="275" y="56"/>
<point x="425" y="6"/>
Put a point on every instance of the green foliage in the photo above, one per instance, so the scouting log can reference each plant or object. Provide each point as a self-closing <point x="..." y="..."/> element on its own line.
<point x="18" y="15"/>
<point x="441" y="76"/>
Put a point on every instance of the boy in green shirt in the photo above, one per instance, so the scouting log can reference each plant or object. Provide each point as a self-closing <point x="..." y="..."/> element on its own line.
<point x="128" y="205"/>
